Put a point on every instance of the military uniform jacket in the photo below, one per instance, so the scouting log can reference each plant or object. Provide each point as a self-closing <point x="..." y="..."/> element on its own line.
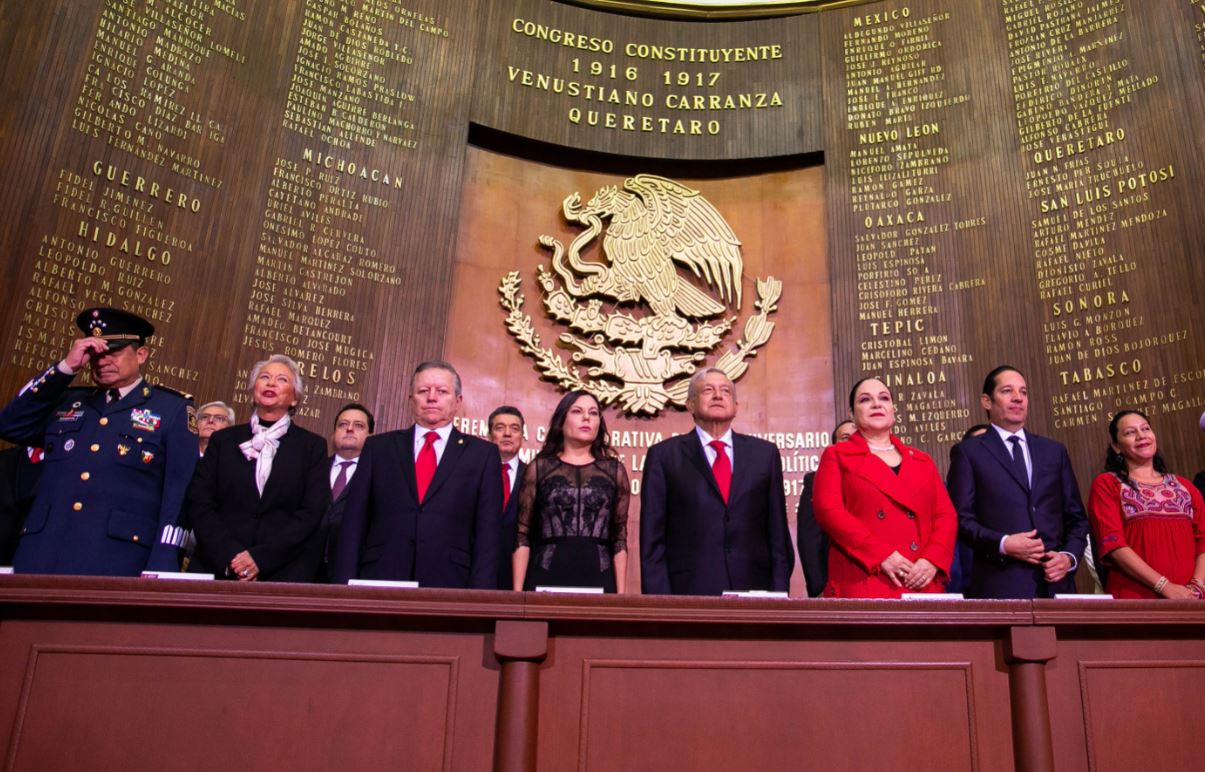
<point x="113" y="476"/>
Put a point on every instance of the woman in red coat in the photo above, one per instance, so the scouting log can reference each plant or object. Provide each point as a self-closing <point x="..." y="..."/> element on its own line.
<point x="1147" y="521"/>
<point x="884" y="507"/>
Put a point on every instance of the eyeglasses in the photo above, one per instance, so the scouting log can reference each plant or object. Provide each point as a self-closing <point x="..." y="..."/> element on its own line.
<point x="217" y="419"/>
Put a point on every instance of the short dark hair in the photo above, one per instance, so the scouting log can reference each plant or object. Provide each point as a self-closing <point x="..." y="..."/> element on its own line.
<point x="372" y="423"/>
<point x="504" y="410"/>
<point x="969" y="433"/>
<point x="833" y="436"/>
<point x="989" y="383"/>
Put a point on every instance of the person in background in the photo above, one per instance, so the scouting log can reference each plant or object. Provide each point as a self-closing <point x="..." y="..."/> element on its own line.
<point x="211" y="417"/>
<point x="506" y="431"/>
<point x="1150" y="523"/>
<point x="884" y="507"/>
<point x="1199" y="480"/>
<point x="811" y="538"/>
<point x="964" y="554"/>
<point x="19" y="471"/>
<point x="1017" y="499"/>
<point x="117" y="456"/>
<point x="261" y="489"/>
<point x="573" y="505"/>
<point x="354" y="423"/>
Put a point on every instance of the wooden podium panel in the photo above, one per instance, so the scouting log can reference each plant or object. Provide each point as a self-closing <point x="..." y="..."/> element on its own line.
<point x="268" y="705"/>
<point x="181" y="690"/>
<point x="728" y="706"/>
<point x="1125" y="700"/>
<point x="135" y="674"/>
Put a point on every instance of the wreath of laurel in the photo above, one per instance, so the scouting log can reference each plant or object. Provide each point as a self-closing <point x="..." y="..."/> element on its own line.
<point x="552" y="366"/>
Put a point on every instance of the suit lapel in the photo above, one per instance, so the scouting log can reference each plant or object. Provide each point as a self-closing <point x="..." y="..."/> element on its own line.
<point x="901" y="488"/>
<point x="740" y="472"/>
<point x="245" y="466"/>
<point x="693" y="450"/>
<point x="405" y="451"/>
<point x="996" y="447"/>
<point x="452" y="453"/>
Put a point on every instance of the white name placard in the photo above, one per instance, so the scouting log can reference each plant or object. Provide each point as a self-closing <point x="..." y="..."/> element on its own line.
<point x="381" y="583"/>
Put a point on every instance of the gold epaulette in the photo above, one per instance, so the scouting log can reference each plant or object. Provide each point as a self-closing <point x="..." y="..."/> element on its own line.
<point x="183" y="394"/>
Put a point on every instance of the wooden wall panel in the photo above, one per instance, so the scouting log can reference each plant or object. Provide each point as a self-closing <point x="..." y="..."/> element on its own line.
<point x="651" y="88"/>
<point x="1055" y="182"/>
<point x="254" y="177"/>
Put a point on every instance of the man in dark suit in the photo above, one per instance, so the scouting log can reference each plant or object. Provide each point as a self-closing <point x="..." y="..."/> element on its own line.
<point x="425" y="503"/>
<point x="353" y="425"/>
<point x="1018" y="503"/>
<point x="506" y="431"/>
<point x="713" y="515"/>
<point x="811" y="538"/>
<point x="117" y="456"/>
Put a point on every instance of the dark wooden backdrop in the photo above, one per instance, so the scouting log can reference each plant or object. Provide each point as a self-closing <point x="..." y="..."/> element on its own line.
<point x="280" y="122"/>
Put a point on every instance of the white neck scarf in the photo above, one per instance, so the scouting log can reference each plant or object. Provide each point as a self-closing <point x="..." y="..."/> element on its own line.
<point x="262" y="447"/>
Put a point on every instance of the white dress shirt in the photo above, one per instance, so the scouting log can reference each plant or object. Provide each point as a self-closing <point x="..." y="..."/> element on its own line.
<point x="420" y="435"/>
<point x="336" y="465"/>
<point x="710" y="452"/>
<point x="512" y="468"/>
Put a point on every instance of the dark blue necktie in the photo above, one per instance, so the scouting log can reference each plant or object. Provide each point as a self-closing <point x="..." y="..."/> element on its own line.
<point x="1019" y="458"/>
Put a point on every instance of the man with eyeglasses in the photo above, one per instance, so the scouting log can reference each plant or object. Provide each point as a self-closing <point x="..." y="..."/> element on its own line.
<point x="212" y="417"/>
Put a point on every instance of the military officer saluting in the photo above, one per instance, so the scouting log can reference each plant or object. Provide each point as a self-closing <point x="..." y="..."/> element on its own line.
<point x="118" y="457"/>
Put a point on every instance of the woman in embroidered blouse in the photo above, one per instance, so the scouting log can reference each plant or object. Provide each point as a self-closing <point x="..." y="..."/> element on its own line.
<point x="259" y="492"/>
<point x="1147" y="521"/>
<point x="573" y="505"/>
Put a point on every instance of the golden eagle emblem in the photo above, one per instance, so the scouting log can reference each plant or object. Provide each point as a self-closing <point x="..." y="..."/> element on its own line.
<point x="642" y="362"/>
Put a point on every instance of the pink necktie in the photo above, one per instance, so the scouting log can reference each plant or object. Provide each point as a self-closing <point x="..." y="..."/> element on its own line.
<point x="424" y="466"/>
<point x="340" y="479"/>
<point x="505" y="484"/>
<point x="721" y="468"/>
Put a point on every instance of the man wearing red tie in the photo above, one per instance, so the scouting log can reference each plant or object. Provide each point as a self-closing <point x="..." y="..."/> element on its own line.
<point x="425" y="502"/>
<point x="506" y="431"/>
<point x="713" y="513"/>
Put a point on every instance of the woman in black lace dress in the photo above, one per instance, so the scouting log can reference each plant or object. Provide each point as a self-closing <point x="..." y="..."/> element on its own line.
<point x="573" y="505"/>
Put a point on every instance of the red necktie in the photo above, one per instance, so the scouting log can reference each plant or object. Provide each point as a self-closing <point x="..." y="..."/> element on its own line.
<point x="424" y="466"/>
<point x="505" y="484"/>
<point x="721" y="468"/>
